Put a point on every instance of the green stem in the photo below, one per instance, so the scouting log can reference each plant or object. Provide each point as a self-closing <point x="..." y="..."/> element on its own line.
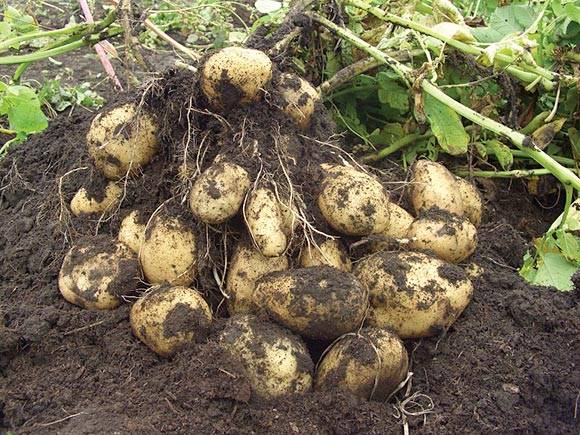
<point x="6" y="131"/>
<point x="524" y="143"/>
<point x="563" y="160"/>
<point x="535" y="123"/>
<point x="395" y="146"/>
<point x="573" y="56"/>
<point x="515" y="173"/>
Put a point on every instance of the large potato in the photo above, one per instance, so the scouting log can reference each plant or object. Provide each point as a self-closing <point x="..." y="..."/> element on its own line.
<point x="315" y="302"/>
<point x="370" y="364"/>
<point x="168" y="253"/>
<point x="472" y="201"/>
<point x="235" y="75"/>
<point x="245" y="268"/>
<point x="276" y="361"/>
<point x="122" y="141"/>
<point x="298" y="98"/>
<point x="331" y="252"/>
<point x="449" y="237"/>
<point x="414" y="294"/>
<point x="218" y="194"/>
<point x="353" y="202"/>
<point x="132" y="230"/>
<point x="433" y="186"/>
<point x="96" y="273"/>
<point x="167" y="318"/>
<point x="85" y="203"/>
<point x="266" y="222"/>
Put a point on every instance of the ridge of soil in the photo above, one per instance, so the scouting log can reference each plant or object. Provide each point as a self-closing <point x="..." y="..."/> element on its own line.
<point x="507" y="365"/>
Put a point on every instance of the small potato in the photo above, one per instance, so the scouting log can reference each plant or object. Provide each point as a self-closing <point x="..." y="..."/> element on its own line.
<point x="234" y="76"/>
<point x="132" y="230"/>
<point x="246" y="267"/>
<point x="218" y="194"/>
<point x="433" y="186"/>
<point x="316" y="302"/>
<point x="369" y="364"/>
<point x="266" y="222"/>
<point x="472" y="201"/>
<point x="84" y="203"/>
<point x="449" y="237"/>
<point x="96" y="273"/>
<point x="399" y="223"/>
<point x="122" y="141"/>
<point x="168" y="253"/>
<point x="328" y="253"/>
<point x="167" y="318"/>
<point x="414" y="294"/>
<point x="276" y="361"/>
<point x="298" y="98"/>
<point x="354" y="203"/>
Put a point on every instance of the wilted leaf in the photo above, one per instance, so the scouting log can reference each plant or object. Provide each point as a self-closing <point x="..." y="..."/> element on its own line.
<point x="545" y="134"/>
<point x="446" y="126"/>
<point x="504" y="21"/>
<point x="267" y="6"/>
<point x="501" y="152"/>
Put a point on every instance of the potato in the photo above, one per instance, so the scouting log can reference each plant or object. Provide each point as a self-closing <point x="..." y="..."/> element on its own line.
<point x="290" y="218"/>
<point x="245" y="268"/>
<point x="234" y="76"/>
<point x="369" y="364"/>
<point x="315" y="302"/>
<point x="331" y="252"/>
<point x="399" y="223"/>
<point x="354" y="203"/>
<point x="266" y="222"/>
<point x="132" y="230"/>
<point x="218" y="194"/>
<point x="167" y="318"/>
<point x="298" y="98"/>
<point x="168" y="253"/>
<point x="96" y="273"/>
<point x="472" y="201"/>
<point x="276" y="361"/>
<point x="414" y="294"/>
<point x="449" y="237"/>
<point x="122" y="141"/>
<point x="84" y="203"/>
<point x="433" y="186"/>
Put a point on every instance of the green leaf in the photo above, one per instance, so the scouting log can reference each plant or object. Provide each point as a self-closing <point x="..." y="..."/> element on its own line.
<point x="504" y="21"/>
<point x="446" y="126"/>
<point x="22" y="107"/>
<point x="569" y="245"/>
<point x="501" y="152"/>
<point x="391" y="93"/>
<point x="555" y="271"/>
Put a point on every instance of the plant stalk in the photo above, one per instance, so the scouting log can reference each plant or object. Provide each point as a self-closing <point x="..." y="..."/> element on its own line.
<point x="515" y="173"/>
<point x="395" y="146"/>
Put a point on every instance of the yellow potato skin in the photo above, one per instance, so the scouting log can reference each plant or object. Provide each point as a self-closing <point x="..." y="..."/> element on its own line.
<point x="433" y="186"/>
<point x="315" y="302"/>
<point x="168" y="253"/>
<point x="82" y="204"/>
<point x="400" y="220"/>
<point x="472" y="201"/>
<point x="218" y="194"/>
<point x="414" y="294"/>
<point x="353" y="202"/>
<point x="132" y="232"/>
<point x="331" y="252"/>
<point x="298" y="98"/>
<point x="266" y="222"/>
<point x="453" y="239"/>
<point x="276" y="361"/>
<point x="167" y="318"/>
<point x="356" y="361"/>
<point x="95" y="275"/>
<point x="246" y="267"/>
<point x="235" y="75"/>
<point x="121" y="141"/>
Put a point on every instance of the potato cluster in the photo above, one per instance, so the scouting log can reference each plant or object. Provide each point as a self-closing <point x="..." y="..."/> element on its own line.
<point x="284" y="289"/>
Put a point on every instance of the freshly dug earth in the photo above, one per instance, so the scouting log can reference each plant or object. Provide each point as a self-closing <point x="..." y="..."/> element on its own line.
<point x="507" y="364"/>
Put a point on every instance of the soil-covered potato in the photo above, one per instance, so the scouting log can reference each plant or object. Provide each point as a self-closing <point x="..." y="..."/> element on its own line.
<point x="472" y="201"/>
<point x="370" y="364"/>
<point x="298" y="98"/>
<point x="266" y="222"/>
<point x="132" y="230"/>
<point x="276" y="361"/>
<point x="316" y="302"/>
<point x="122" y="141"/>
<point x="85" y="203"/>
<point x="167" y="318"/>
<point x="245" y="268"/>
<point x="218" y="194"/>
<point x="353" y="202"/>
<point x="97" y="272"/>
<point x="400" y="220"/>
<point x="331" y="252"/>
<point x="433" y="187"/>
<point x="168" y="253"/>
<point x="449" y="237"/>
<point x="414" y="294"/>
<point x="235" y="75"/>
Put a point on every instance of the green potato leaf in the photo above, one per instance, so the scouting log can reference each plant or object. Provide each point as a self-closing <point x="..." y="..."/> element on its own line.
<point x="446" y="126"/>
<point x="21" y="106"/>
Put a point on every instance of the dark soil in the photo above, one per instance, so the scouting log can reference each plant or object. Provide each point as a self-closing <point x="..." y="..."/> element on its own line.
<point x="507" y="365"/>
